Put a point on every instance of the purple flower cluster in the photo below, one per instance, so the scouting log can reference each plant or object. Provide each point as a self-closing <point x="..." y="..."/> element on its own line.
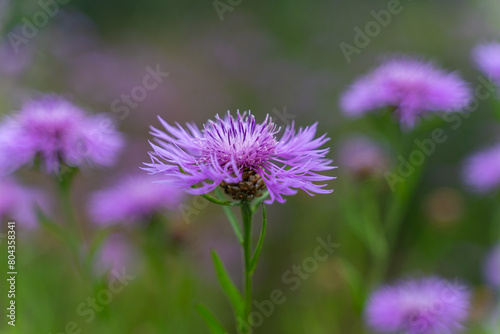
<point x="20" y="203"/>
<point x="242" y="156"/>
<point x="425" y="306"/>
<point x="487" y="59"/>
<point x="58" y="132"/>
<point x="481" y="171"/>
<point x="411" y="86"/>
<point x="132" y="199"/>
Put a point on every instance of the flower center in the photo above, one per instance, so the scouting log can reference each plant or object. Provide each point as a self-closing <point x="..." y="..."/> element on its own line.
<point x="251" y="186"/>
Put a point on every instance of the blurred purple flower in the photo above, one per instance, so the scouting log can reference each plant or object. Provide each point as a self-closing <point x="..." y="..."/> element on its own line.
<point x="363" y="157"/>
<point x="19" y="203"/>
<point x="132" y="199"/>
<point x="426" y="306"/>
<point x="116" y="253"/>
<point x="412" y="86"/>
<point x="492" y="267"/>
<point x="487" y="59"/>
<point x="241" y="156"/>
<point x="58" y="132"/>
<point x="482" y="170"/>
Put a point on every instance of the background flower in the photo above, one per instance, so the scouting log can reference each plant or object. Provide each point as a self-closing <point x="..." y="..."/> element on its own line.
<point x="487" y="59"/>
<point x="363" y="157"/>
<point x="481" y="171"/>
<point x="56" y="131"/>
<point x="412" y="86"/>
<point x="132" y="199"/>
<point x="425" y="306"/>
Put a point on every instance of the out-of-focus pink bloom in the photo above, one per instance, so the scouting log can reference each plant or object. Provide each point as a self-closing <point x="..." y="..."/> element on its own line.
<point x="115" y="255"/>
<point x="56" y="131"/>
<point x="426" y="306"/>
<point x="411" y="86"/>
<point x="20" y="203"/>
<point x="482" y="170"/>
<point x="363" y="157"/>
<point x="487" y="59"/>
<point x="133" y="199"/>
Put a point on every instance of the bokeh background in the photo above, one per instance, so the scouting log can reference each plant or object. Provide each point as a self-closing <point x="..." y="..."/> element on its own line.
<point x="280" y="58"/>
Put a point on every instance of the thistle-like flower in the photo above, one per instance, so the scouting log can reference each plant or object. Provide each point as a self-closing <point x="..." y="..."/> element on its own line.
<point x="481" y="171"/>
<point x="57" y="132"/>
<point x="241" y="156"/>
<point x="133" y="199"/>
<point x="411" y="86"/>
<point x="427" y="306"/>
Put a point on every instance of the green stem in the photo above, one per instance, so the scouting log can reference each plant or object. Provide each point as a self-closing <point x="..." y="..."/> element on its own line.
<point x="247" y="214"/>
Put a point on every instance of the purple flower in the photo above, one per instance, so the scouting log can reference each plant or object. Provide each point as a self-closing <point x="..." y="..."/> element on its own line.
<point x="363" y="157"/>
<point x="426" y="306"/>
<point x="133" y="199"/>
<point x="57" y="132"/>
<point x="487" y="59"/>
<point x="411" y="86"/>
<point x="492" y="267"/>
<point x="241" y="156"/>
<point x="482" y="170"/>
<point x="115" y="255"/>
<point x="19" y="203"/>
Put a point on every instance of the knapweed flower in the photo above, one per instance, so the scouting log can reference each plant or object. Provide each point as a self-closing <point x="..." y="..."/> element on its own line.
<point x="133" y="199"/>
<point x="411" y="86"/>
<point x="363" y="157"/>
<point x="426" y="306"/>
<point x="487" y="59"/>
<point x="20" y="203"/>
<point x="241" y="156"/>
<point x="481" y="171"/>
<point x="492" y="267"/>
<point x="57" y="132"/>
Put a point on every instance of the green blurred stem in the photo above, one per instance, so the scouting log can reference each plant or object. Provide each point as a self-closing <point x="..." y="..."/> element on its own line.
<point x="247" y="215"/>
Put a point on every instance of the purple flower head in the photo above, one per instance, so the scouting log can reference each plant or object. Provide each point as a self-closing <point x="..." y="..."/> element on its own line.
<point x="487" y="59"/>
<point x="481" y="171"/>
<point x="19" y="203"/>
<point x="363" y="157"/>
<point x="241" y="156"/>
<point x="133" y="199"/>
<point x="411" y="86"/>
<point x="492" y="267"/>
<point x="425" y="306"/>
<point x="57" y="132"/>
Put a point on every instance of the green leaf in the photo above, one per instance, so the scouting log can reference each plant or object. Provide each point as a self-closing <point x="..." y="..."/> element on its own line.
<point x="232" y="219"/>
<point x="228" y="286"/>
<point x="260" y="243"/>
<point x="217" y="201"/>
<point x="213" y="324"/>
<point x="49" y="225"/>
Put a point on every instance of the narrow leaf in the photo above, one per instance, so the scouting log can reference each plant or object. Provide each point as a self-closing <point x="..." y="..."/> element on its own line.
<point x="260" y="243"/>
<point x="213" y="324"/>
<point x="259" y="200"/>
<point x="232" y="219"/>
<point x="227" y="285"/>
<point x="217" y="201"/>
<point x="49" y="225"/>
